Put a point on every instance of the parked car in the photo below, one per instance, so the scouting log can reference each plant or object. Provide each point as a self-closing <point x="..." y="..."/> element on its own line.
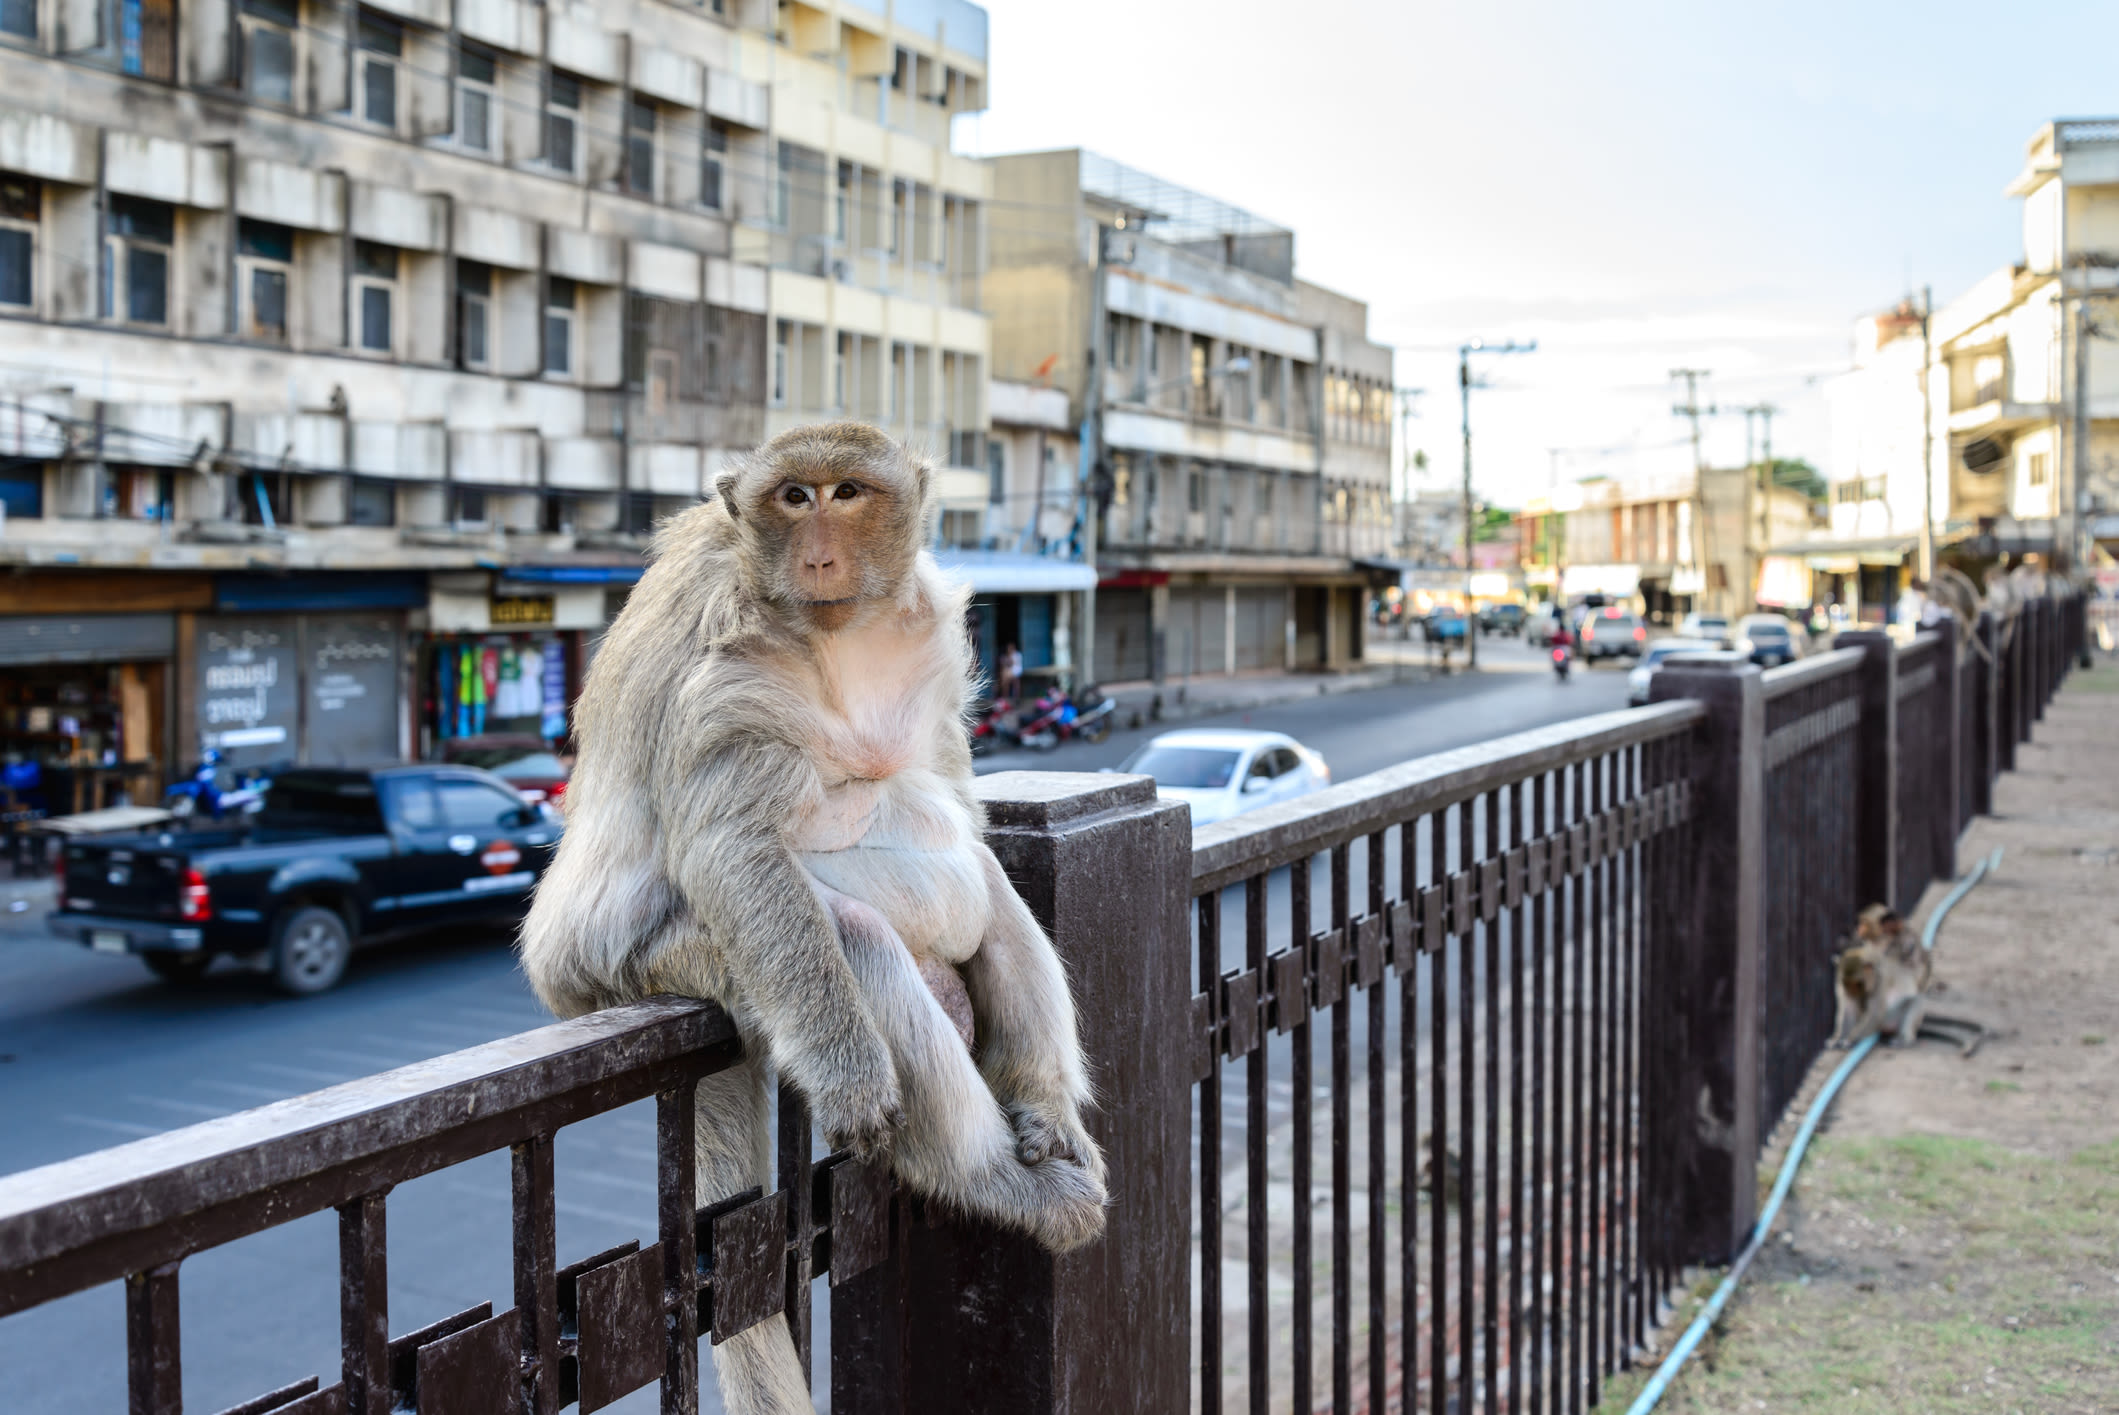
<point x="1502" y="619"/>
<point x="1769" y="639"/>
<point x="1444" y="626"/>
<point x="1612" y="632"/>
<point x="332" y="859"/>
<point x="526" y="763"/>
<point x="1705" y="626"/>
<point x="1661" y="649"/>
<point x="1225" y="773"/>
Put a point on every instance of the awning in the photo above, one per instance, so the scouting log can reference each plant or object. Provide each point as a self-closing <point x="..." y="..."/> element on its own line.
<point x="574" y="574"/>
<point x="1617" y="581"/>
<point x="1015" y="572"/>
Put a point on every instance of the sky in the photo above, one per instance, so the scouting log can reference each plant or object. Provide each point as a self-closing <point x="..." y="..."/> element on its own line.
<point x="1636" y="186"/>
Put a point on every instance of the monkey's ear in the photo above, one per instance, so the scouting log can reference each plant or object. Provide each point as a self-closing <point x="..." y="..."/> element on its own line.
<point x="725" y="488"/>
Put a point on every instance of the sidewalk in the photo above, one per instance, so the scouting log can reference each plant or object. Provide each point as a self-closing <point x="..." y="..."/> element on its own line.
<point x="1952" y="1242"/>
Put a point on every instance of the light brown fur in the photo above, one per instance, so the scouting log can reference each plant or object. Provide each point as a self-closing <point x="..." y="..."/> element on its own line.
<point x="772" y="808"/>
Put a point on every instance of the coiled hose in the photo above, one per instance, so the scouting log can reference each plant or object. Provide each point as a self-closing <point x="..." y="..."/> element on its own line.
<point x="1652" y="1393"/>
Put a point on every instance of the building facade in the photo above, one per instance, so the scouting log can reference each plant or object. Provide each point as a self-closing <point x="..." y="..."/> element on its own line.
<point x="2022" y="430"/>
<point x="1243" y="416"/>
<point x="348" y="353"/>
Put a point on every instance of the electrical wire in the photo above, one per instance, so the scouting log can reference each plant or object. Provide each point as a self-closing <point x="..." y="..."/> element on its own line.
<point x="1652" y="1393"/>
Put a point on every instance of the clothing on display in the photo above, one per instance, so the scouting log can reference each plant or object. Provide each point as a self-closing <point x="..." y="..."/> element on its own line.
<point x="492" y="686"/>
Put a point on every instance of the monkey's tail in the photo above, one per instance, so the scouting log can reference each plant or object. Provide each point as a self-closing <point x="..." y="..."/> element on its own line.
<point x="758" y="1372"/>
<point x="1652" y="1393"/>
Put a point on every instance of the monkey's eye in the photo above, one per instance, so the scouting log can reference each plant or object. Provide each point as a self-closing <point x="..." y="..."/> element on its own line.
<point x="796" y="496"/>
<point x="846" y="491"/>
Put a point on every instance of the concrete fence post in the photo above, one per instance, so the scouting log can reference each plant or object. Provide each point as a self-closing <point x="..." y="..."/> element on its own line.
<point x="1876" y="769"/>
<point x="1721" y="987"/>
<point x="973" y="1319"/>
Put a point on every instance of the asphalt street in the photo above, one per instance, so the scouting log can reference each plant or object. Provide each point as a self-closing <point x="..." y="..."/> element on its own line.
<point x="95" y="1052"/>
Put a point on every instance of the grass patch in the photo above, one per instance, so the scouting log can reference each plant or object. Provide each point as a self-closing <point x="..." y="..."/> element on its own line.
<point x="1929" y="1274"/>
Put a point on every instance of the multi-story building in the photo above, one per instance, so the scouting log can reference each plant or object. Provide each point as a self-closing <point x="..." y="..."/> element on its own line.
<point x="1244" y="415"/>
<point x="349" y="352"/>
<point x="2023" y="409"/>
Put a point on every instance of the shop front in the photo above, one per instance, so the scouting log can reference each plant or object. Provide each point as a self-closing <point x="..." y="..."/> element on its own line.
<point x="502" y="659"/>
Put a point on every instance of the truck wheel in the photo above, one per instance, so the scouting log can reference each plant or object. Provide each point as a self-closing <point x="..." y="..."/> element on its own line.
<point x="177" y="967"/>
<point x="311" y="951"/>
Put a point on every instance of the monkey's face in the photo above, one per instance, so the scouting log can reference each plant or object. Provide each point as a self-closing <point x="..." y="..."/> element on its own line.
<point x="831" y="517"/>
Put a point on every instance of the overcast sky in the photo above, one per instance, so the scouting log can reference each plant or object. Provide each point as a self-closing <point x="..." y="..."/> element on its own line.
<point x="1636" y="186"/>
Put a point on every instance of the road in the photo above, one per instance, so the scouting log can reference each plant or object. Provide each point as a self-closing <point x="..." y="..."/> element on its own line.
<point x="93" y="1052"/>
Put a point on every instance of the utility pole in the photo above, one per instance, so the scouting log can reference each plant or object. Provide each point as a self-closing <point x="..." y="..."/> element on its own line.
<point x="1464" y="386"/>
<point x="1763" y="479"/>
<point x="1405" y="465"/>
<point x="1092" y="459"/>
<point x="1691" y="408"/>
<point x="1927" y="440"/>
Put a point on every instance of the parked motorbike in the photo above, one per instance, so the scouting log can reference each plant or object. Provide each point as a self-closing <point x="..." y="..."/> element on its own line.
<point x="996" y="727"/>
<point x="203" y="793"/>
<point x="1056" y="717"/>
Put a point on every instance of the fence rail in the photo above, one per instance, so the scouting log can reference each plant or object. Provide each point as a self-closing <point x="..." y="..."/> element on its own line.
<point x="1540" y="1001"/>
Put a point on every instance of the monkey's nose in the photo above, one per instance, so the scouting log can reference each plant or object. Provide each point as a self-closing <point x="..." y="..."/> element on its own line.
<point x="812" y="563"/>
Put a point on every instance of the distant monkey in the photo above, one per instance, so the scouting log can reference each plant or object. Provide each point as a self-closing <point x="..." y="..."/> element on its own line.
<point x="1882" y="980"/>
<point x="772" y="809"/>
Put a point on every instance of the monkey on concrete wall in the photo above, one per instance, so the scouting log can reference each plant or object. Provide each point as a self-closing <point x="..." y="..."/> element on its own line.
<point x="772" y="808"/>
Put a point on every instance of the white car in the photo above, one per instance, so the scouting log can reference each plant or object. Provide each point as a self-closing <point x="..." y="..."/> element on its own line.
<point x="1697" y="625"/>
<point x="1637" y="681"/>
<point x="1224" y="773"/>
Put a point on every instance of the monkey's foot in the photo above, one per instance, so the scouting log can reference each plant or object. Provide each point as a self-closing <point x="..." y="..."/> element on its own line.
<point x="1067" y="1205"/>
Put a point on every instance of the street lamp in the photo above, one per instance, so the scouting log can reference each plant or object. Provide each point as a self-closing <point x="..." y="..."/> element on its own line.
<point x="1464" y="385"/>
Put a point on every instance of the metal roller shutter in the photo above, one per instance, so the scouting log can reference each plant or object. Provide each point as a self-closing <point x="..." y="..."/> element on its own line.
<point x="1261" y="626"/>
<point x="87" y="638"/>
<point x="1121" y="635"/>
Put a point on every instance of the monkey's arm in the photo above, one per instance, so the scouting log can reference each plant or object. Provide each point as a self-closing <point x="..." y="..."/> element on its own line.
<point x="774" y="939"/>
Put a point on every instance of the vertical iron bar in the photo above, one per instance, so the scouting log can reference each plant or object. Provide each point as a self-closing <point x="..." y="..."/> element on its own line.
<point x="1407" y="961"/>
<point x="1518" y="839"/>
<point x="1342" y="1144"/>
<point x="1490" y="1278"/>
<point x="676" y="1211"/>
<point x="1599" y="1131"/>
<point x="1540" y="1101"/>
<point x="1629" y="1032"/>
<point x="1209" y="910"/>
<point x="1254" y="943"/>
<point x="1379" y="1375"/>
<point x="797" y="1177"/>
<point x="1441" y="1179"/>
<point x="1577" y="1216"/>
<point x="536" y="1286"/>
<point x="1304" y="1088"/>
<point x="1468" y="1138"/>
<point x="364" y="1304"/>
<point x="154" y="1372"/>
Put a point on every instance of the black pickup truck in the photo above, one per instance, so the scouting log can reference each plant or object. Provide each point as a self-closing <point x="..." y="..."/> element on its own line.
<point x="331" y="859"/>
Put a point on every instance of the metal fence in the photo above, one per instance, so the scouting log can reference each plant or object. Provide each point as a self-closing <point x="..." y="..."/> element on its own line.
<point x="1474" y="1056"/>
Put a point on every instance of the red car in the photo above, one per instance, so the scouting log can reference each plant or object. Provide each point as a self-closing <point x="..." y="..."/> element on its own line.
<point x="529" y="764"/>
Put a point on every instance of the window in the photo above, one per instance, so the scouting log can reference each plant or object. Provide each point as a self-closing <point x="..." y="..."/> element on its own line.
<point x="997" y="473"/>
<point x="268" y="49"/>
<point x="2041" y="467"/>
<point x="467" y="505"/>
<point x="901" y="72"/>
<point x="640" y="148"/>
<point x="21" y="203"/>
<point x="562" y="110"/>
<point x="264" y="265"/>
<point x="261" y="499"/>
<point x="558" y="514"/>
<point x="381" y="43"/>
<point x="371" y="503"/>
<point x="147" y="38"/>
<point x="782" y="332"/>
<point x="474" y="97"/>
<point x="474" y="309"/>
<point x="375" y="288"/>
<point x="713" y="168"/>
<point x="842" y="203"/>
<point x="1196" y="490"/>
<point x="841" y="356"/>
<point x="897" y="214"/>
<point x="559" y="301"/>
<point x="471" y="804"/>
<point x="19" y="17"/>
<point x="783" y="185"/>
<point x="136" y="260"/>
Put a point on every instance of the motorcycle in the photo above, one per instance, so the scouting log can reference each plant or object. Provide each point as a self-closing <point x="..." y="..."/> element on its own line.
<point x="995" y="727"/>
<point x="1560" y="657"/>
<point x="1056" y="717"/>
<point x="201" y="793"/>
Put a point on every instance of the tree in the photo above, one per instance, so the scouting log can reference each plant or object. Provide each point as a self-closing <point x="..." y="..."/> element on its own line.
<point x="1797" y="473"/>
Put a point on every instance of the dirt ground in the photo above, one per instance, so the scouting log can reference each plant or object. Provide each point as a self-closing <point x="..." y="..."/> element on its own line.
<point x="1952" y="1243"/>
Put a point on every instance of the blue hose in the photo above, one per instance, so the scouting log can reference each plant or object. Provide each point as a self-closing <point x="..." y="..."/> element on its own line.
<point x="1652" y="1393"/>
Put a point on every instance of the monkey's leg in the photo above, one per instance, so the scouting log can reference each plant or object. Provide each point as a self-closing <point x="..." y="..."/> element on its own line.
<point x="1907" y="1030"/>
<point x="956" y="1143"/>
<point x="758" y="1370"/>
<point x="1029" y="1051"/>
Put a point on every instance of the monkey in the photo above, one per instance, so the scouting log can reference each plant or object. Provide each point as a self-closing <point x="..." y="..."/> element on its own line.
<point x="1452" y="1173"/>
<point x="1952" y="589"/>
<point x="772" y="809"/>
<point x="1881" y="981"/>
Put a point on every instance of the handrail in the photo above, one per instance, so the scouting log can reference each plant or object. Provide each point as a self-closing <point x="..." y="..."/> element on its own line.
<point x="95" y="1218"/>
<point x="1235" y="849"/>
<point x="1789" y="677"/>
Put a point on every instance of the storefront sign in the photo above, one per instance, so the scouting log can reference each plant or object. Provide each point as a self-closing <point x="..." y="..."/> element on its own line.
<point x="519" y="610"/>
<point x="247" y="704"/>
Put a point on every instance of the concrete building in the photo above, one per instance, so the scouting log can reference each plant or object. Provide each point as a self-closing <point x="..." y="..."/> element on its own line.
<point x="2024" y="411"/>
<point x="1244" y="415"/>
<point x="348" y="354"/>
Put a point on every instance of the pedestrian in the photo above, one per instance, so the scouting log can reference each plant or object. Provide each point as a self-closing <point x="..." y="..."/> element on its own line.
<point x="1011" y="673"/>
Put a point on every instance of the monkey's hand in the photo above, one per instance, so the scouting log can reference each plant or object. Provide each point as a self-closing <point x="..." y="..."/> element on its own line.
<point x="1054" y="1132"/>
<point x="854" y="1097"/>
